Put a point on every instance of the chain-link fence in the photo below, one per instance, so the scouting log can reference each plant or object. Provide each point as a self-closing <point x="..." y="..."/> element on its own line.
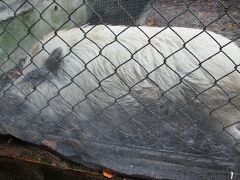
<point x="122" y="95"/>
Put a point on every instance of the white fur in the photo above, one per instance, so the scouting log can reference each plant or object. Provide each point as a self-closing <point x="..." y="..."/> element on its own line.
<point x="138" y="52"/>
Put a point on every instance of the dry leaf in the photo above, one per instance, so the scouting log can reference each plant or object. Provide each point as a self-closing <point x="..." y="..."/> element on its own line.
<point x="108" y="174"/>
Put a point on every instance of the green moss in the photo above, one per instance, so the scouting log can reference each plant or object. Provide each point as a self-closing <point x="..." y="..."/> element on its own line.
<point x="24" y="154"/>
<point x="18" y="34"/>
<point x="46" y="160"/>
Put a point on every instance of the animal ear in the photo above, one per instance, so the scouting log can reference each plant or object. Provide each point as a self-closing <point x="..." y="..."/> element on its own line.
<point x="10" y="75"/>
<point x="21" y="63"/>
<point x="36" y="49"/>
<point x="54" y="60"/>
<point x="16" y="71"/>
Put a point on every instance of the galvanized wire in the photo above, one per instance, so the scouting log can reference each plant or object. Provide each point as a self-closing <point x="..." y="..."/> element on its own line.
<point x="150" y="139"/>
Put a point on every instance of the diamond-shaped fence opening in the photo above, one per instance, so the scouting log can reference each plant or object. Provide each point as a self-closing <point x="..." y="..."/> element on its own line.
<point x="140" y="82"/>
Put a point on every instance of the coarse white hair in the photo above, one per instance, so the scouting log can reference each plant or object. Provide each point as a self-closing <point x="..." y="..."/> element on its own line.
<point x="106" y="63"/>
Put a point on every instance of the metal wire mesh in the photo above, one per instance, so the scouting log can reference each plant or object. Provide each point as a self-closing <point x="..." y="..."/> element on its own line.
<point x="160" y="123"/>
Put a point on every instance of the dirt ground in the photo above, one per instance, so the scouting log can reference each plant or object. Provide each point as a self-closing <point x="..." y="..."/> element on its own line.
<point x="222" y="17"/>
<point x="24" y="161"/>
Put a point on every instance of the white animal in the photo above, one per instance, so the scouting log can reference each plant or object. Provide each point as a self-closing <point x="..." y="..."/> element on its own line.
<point x="107" y="62"/>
